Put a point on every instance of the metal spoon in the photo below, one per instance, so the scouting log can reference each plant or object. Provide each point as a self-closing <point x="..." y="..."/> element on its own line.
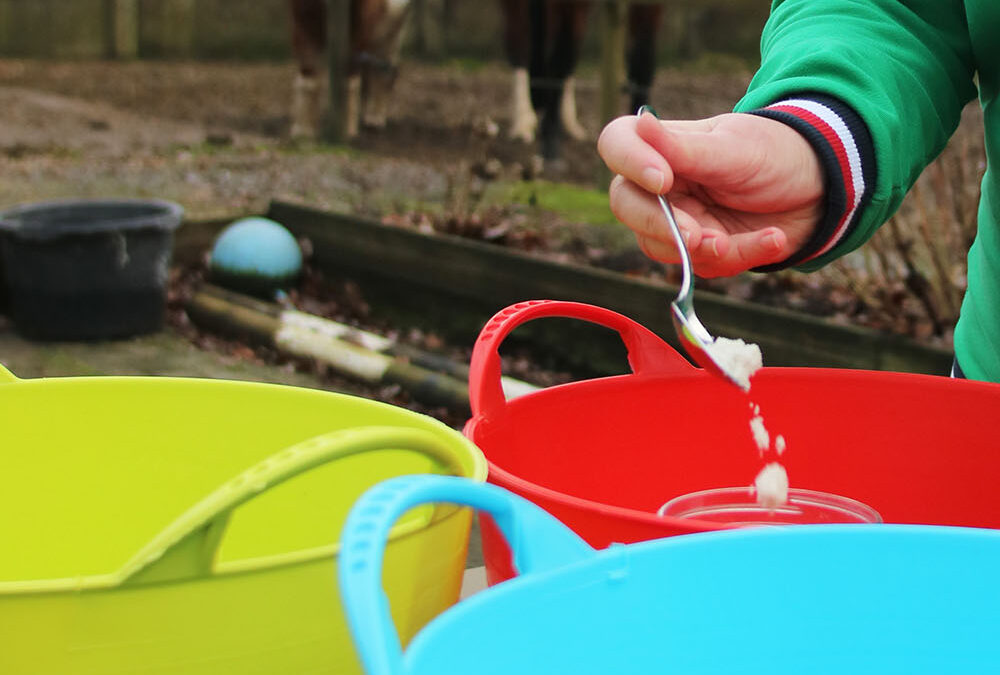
<point x="695" y="338"/>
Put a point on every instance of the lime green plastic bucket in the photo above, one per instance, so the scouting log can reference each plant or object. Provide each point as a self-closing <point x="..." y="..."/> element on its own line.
<point x="170" y="525"/>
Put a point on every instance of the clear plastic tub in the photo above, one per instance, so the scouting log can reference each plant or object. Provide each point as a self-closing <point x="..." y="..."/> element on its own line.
<point x="738" y="506"/>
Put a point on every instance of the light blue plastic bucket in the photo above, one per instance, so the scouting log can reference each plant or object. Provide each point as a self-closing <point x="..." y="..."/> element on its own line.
<point x="844" y="599"/>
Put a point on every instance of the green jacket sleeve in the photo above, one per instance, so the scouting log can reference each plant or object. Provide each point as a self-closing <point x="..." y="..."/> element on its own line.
<point x="906" y="67"/>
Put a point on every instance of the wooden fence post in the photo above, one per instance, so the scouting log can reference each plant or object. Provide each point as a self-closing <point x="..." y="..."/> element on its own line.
<point x="339" y="46"/>
<point x="6" y="14"/>
<point x="124" y="29"/>
<point x="613" y="21"/>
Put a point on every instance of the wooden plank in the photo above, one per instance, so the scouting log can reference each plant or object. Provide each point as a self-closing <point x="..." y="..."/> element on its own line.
<point x="311" y="337"/>
<point x="491" y="277"/>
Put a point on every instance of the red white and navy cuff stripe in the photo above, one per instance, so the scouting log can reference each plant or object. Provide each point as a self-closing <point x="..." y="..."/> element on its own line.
<point x="844" y="147"/>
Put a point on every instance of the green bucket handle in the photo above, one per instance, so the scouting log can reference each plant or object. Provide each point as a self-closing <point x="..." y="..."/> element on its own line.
<point x="6" y="375"/>
<point x="187" y="547"/>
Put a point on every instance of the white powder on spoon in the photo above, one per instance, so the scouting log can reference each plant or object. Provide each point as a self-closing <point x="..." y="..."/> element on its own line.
<point x="738" y="359"/>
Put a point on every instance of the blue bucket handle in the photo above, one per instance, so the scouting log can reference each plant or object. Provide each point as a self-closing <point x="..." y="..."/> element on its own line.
<point x="537" y="540"/>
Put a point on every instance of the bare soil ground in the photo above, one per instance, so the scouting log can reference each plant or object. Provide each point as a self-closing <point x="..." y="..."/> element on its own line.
<point x="212" y="135"/>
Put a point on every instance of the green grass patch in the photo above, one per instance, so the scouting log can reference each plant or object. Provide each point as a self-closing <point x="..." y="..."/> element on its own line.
<point x="571" y="202"/>
<point x="467" y="64"/>
<point x="566" y="213"/>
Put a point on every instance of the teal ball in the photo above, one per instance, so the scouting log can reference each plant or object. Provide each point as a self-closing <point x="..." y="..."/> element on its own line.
<point x="255" y="255"/>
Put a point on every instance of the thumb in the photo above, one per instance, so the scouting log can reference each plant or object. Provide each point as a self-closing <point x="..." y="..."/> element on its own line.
<point x="698" y="151"/>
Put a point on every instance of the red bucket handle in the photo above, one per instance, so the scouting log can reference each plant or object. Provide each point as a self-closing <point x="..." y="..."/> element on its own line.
<point x="648" y="354"/>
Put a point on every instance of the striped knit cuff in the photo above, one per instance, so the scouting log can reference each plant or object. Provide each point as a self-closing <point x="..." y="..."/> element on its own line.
<point x="845" y="150"/>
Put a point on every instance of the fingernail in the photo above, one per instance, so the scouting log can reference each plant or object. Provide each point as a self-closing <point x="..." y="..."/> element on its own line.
<point x="652" y="179"/>
<point x="713" y="245"/>
<point x="771" y="241"/>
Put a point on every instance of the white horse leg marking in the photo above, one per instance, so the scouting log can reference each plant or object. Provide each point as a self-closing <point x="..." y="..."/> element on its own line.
<point x="567" y="111"/>
<point x="387" y="43"/>
<point x="305" y="107"/>
<point x="524" y="122"/>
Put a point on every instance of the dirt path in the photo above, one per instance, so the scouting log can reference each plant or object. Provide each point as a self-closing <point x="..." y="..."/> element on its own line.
<point x="37" y="123"/>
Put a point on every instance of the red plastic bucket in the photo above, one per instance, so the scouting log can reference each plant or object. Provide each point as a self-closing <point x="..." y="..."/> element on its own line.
<point x="603" y="455"/>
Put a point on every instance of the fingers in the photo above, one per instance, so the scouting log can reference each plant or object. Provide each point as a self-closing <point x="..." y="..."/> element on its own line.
<point x="714" y="251"/>
<point x="720" y="254"/>
<point x="626" y="154"/>
<point x="651" y="153"/>
<point x="700" y="150"/>
<point x="641" y="212"/>
<point x="733" y="214"/>
<point x="740" y="252"/>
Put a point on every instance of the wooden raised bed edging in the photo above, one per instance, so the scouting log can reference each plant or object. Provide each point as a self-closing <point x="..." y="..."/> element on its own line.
<point x="483" y="278"/>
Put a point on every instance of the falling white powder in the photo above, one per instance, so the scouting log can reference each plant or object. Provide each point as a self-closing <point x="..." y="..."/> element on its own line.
<point x="738" y="359"/>
<point x="772" y="486"/>
<point x="760" y="435"/>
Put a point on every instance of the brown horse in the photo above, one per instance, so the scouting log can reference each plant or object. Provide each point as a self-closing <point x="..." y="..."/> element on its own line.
<point x="542" y="39"/>
<point x="375" y="36"/>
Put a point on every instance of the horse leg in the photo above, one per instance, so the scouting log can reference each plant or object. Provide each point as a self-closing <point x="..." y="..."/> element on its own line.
<point x="380" y="74"/>
<point x="567" y="28"/>
<point x="517" y="45"/>
<point x="640" y="55"/>
<point x="308" y="44"/>
<point x="524" y="121"/>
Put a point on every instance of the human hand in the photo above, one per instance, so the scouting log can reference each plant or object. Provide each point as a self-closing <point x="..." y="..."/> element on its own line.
<point x="746" y="190"/>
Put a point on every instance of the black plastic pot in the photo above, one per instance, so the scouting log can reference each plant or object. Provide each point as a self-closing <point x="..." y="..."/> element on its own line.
<point x="88" y="269"/>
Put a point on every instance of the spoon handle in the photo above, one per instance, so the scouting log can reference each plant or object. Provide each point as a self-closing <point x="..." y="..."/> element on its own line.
<point x="683" y="300"/>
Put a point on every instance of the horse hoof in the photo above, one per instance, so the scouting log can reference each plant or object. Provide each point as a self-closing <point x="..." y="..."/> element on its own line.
<point x="522" y="134"/>
<point x="302" y="132"/>
<point x="575" y="130"/>
<point x="373" y="123"/>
